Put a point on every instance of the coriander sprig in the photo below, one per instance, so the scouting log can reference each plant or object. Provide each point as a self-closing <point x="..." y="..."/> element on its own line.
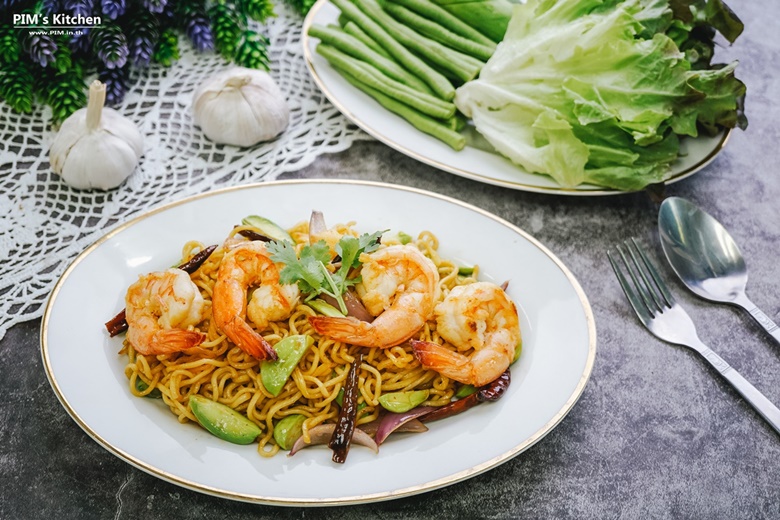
<point x="310" y="271"/>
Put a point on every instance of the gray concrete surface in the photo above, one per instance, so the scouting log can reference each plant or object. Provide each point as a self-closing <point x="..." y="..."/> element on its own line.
<point x="656" y="434"/>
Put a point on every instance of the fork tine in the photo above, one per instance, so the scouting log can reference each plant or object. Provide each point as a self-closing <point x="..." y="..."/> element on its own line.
<point x="636" y="302"/>
<point x="645" y="291"/>
<point x="650" y="292"/>
<point x="659" y="283"/>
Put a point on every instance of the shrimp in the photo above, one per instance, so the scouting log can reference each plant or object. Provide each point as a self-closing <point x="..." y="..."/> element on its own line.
<point x="159" y="308"/>
<point x="243" y="267"/>
<point x="479" y="316"/>
<point x="400" y="286"/>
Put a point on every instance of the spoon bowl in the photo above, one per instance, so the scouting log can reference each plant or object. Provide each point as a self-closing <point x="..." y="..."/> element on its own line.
<point x="701" y="251"/>
<point x="705" y="257"/>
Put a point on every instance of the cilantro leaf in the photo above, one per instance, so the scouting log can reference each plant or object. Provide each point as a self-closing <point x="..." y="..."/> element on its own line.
<point x="350" y="248"/>
<point x="309" y="269"/>
<point x="319" y="251"/>
<point x="370" y="243"/>
<point x="306" y="271"/>
<point x="282" y="252"/>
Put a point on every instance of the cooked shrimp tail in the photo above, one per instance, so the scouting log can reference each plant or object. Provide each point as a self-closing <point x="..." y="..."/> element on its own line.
<point x="244" y="267"/>
<point x="379" y="333"/>
<point x="174" y="340"/>
<point x="441" y="359"/>
<point x="399" y="286"/>
<point x="347" y="329"/>
<point x="478" y="319"/>
<point x="248" y="340"/>
<point x="480" y="369"/>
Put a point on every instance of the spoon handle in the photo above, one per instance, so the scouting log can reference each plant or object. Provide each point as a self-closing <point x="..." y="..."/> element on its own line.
<point x="760" y="403"/>
<point x="762" y="319"/>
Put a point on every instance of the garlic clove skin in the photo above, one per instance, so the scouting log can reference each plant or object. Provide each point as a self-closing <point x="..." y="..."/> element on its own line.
<point x="96" y="147"/>
<point x="99" y="160"/>
<point x="122" y="128"/>
<point x="69" y="134"/>
<point x="240" y="107"/>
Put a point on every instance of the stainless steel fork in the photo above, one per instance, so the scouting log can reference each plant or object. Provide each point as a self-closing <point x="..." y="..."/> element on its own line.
<point x="662" y="315"/>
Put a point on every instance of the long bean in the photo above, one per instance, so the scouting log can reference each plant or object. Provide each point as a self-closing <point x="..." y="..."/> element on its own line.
<point x="461" y="65"/>
<point x="439" y="33"/>
<point x="443" y="17"/>
<point x="441" y="131"/>
<point x="369" y="75"/>
<point x="353" y="30"/>
<point x="353" y="47"/>
<point x="438" y="83"/>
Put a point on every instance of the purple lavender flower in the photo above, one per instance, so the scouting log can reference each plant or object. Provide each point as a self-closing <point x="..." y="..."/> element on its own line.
<point x="143" y="34"/>
<point x="155" y="6"/>
<point x="80" y="7"/>
<point x="7" y="5"/>
<point x="199" y="32"/>
<point x="110" y="45"/>
<point x="113" y="9"/>
<point x="170" y="14"/>
<point x="141" y="52"/>
<point x="80" y="41"/>
<point x="50" y="6"/>
<point x="41" y="48"/>
<point x="116" y="84"/>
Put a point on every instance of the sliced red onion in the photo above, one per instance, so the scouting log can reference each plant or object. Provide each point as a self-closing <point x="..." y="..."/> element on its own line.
<point x="413" y="426"/>
<point x="317" y="223"/>
<point x="392" y="421"/>
<point x="322" y="433"/>
<point x="355" y="307"/>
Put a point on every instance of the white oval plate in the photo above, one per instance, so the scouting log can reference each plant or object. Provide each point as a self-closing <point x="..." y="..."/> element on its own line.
<point x="470" y="162"/>
<point x="81" y="361"/>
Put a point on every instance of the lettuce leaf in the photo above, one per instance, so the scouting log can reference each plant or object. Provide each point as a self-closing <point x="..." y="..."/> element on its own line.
<point x="598" y="91"/>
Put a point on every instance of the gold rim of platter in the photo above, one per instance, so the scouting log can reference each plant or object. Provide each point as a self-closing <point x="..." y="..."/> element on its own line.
<point x="347" y="500"/>
<point x="684" y="174"/>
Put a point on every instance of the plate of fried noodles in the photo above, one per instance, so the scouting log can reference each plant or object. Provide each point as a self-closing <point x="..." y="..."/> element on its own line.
<point x="322" y="342"/>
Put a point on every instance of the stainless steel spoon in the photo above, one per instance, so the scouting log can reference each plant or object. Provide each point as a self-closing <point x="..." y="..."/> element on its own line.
<point x="706" y="258"/>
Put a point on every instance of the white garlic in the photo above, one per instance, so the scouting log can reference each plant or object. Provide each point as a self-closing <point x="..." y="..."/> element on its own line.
<point x="96" y="147"/>
<point x="241" y="107"/>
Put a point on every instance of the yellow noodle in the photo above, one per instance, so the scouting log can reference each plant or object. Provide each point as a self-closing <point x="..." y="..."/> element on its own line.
<point x="225" y="373"/>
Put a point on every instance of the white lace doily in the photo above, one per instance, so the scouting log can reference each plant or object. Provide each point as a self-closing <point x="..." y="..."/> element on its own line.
<point x="44" y="223"/>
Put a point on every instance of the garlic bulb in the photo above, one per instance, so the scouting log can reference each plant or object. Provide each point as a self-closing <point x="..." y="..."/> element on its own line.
<point x="241" y="107"/>
<point x="96" y="147"/>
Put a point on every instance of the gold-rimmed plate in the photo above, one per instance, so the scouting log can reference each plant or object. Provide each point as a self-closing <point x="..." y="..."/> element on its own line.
<point x="87" y="374"/>
<point x="471" y="162"/>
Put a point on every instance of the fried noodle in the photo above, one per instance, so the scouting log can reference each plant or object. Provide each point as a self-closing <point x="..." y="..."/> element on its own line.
<point x="221" y="371"/>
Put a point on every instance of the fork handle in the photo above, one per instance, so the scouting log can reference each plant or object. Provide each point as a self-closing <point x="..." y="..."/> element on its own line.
<point x="762" y="405"/>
